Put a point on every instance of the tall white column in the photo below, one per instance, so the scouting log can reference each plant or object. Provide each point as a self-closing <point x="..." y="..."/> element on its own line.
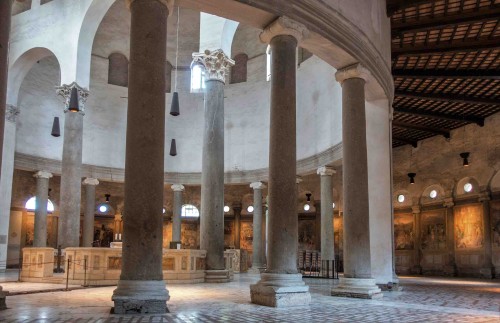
<point x="357" y="280"/>
<point x="71" y="172"/>
<point x="257" y="246"/>
<point x="176" y="212"/>
<point x="281" y="284"/>
<point x="42" y="197"/>
<point x="327" y="248"/>
<point x="89" y="212"/>
<point x="9" y="145"/>
<point x="215" y="65"/>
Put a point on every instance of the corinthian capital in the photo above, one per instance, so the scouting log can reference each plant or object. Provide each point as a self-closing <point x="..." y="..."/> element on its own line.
<point x="215" y="64"/>
<point x="284" y="26"/>
<point x="325" y="171"/>
<point x="353" y="71"/>
<point x="65" y="92"/>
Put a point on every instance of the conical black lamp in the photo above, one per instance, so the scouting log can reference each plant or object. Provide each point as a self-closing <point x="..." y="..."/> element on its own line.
<point x="56" y="129"/>
<point x="73" y="101"/>
<point x="465" y="157"/>
<point x="412" y="177"/>
<point x="174" y="108"/>
<point x="173" y="148"/>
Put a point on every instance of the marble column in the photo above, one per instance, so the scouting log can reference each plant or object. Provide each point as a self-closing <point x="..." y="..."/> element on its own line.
<point x="257" y="246"/>
<point x="263" y="239"/>
<point x="488" y="269"/>
<point x="237" y="225"/>
<point x="5" y="17"/>
<point x="317" y="224"/>
<point x="89" y="211"/>
<point x="141" y="288"/>
<point x="327" y="248"/>
<point x="357" y="280"/>
<point x="281" y="284"/>
<point x="42" y="197"/>
<point x="417" y="267"/>
<point x="176" y="212"/>
<point x="215" y="65"/>
<point x="71" y="174"/>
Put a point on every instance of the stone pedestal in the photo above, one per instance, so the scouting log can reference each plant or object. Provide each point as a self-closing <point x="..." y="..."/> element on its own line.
<point x="37" y="263"/>
<point x="89" y="213"/>
<point x="141" y="288"/>
<point x="357" y="280"/>
<point x="280" y="290"/>
<point x="215" y="65"/>
<point x="281" y="285"/>
<point x="357" y="288"/>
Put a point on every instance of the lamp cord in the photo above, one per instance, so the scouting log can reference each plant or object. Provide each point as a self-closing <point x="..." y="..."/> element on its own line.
<point x="177" y="47"/>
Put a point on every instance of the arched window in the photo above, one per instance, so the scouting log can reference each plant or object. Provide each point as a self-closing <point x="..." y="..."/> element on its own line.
<point x="197" y="79"/>
<point x="118" y="70"/>
<point x="31" y="205"/>
<point x="189" y="210"/>
<point x="239" y="70"/>
<point x="268" y="65"/>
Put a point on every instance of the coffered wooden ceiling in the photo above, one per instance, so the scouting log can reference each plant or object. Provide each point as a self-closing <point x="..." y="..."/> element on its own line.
<point x="445" y="64"/>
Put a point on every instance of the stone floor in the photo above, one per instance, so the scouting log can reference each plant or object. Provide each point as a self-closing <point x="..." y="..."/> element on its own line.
<point x="423" y="299"/>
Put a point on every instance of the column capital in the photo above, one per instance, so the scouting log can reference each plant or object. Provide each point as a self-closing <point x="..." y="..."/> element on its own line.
<point x="257" y="185"/>
<point x="448" y="202"/>
<point x="177" y="187"/>
<point x="90" y="181"/>
<point x="11" y="113"/>
<point x="168" y="3"/>
<point x="65" y="91"/>
<point x="352" y="71"/>
<point x="298" y="179"/>
<point x="42" y="174"/>
<point x="325" y="171"/>
<point x="415" y="209"/>
<point x="215" y="64"/>
<point x="284" y="26"/>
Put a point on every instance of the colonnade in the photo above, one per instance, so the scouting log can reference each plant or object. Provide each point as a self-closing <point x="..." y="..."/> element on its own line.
<point x="141" y="288"/>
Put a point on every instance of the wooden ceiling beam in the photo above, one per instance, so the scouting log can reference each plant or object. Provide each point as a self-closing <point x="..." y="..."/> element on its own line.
<point x="424" y="23"/>
<point x="396" y="5"/>
<point x="440" y="116"/>
<point x="405" y="141"/>
<point x="446" y="47"/>
<point x="447" y="98"/>
<point x="406" y="125"/>
<point x="448" y="74"/>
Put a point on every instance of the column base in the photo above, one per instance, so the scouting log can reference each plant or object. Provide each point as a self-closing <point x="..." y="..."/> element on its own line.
<point x="3" y="296"/>
<point x="140" y="297"/>
<point x="357" y="288"/>
<point x="280" y="290"/>
<point x="217" y="276"/>
<point x="256" y="270"/>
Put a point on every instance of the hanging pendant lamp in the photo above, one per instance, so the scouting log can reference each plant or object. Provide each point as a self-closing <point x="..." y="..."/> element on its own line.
<point x="412" y="177"/>
<point x="56" y="129"/>
<point x="174" y="108"/>
<point x="465" y="157"/>
<point x="73" y="101"/>
<point x="173" y="148"/>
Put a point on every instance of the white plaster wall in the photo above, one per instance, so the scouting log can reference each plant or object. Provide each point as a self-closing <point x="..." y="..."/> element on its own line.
<point x="370" y="16"/>
<point x="379" y="187"/>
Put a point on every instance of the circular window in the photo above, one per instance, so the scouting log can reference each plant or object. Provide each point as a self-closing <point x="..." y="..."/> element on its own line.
<point x="333" y="205"/>
<point x="250" y="209"/>
<point x="164" y="210"/>
<point x="103" y="208"/>
<point x="401" y="198"/>
<point x="468" y="187"/>
<point x="433" y="194"/>
<point x="307" y="207"/>
<point x="226" y="208"/>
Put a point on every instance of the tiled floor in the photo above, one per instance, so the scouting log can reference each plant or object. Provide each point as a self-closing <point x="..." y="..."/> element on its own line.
<point x="423" y="299"/>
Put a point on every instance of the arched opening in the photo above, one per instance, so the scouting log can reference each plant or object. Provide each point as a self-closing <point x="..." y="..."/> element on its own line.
<point x="118" y="70"/>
